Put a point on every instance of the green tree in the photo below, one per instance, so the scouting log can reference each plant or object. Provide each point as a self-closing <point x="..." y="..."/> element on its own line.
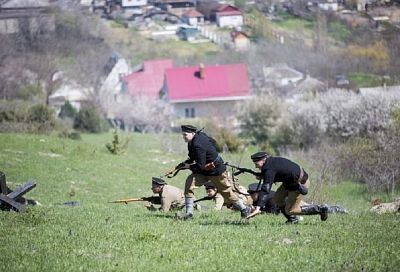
<point x="88" y="119"/>
<point x="67" y="111"/>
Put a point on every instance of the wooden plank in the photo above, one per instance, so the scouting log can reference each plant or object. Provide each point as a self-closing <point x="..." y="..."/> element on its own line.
<point x="3" y="185"/>
<point x="23" y="189"/>
<point x="12" y="203"/>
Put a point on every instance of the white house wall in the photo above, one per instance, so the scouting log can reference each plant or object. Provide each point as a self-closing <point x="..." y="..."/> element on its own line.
<point x="133" y="3"/>
<point x="219" y="109"/>
<point x="112" y="83"/>
<point x="230" y="21"/>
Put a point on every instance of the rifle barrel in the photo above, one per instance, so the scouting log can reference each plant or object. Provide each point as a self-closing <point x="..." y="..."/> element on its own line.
<point x="127" y="200"/>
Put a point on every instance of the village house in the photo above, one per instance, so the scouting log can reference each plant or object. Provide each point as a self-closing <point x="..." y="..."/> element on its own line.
<point x="177" y="7"/>
<point x="116" y="68"/>
<point x="148" y="80"/>
<point x="281" y="75"/>
<point x="193" y="17"/>
<point x="207" y="91"/>
<point x="28" y="16"/>
<point x="240" y="40"/>
<point x="72" y="92"/>
<point x="228" y="16"/>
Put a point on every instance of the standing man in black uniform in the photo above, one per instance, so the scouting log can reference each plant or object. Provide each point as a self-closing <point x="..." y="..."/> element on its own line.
<point x="289" y="195"/>
<point x="206" y="165"/>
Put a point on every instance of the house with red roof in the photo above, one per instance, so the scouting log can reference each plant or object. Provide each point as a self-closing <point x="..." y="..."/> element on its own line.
<point x="228" y="16"/>
<point x="207" y="91"/>
<point x="147" y="81"/>
<point x="193" y="17"/>
<point x="241" y="40"/>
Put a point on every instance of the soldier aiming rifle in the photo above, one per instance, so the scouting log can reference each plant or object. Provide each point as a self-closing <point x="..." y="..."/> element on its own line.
<point x="151" y="199"/>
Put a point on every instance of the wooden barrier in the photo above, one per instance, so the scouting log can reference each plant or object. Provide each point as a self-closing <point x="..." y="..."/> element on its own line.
<point x="9" y="200"/>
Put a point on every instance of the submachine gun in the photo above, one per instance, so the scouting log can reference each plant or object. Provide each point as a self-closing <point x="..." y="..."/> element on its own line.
<point x="241" y="170"/>
<point x="152" y="199"/>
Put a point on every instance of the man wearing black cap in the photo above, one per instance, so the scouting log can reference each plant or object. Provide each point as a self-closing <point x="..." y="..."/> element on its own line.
<point x="288" y="196"/>
<point x="171" y="197"/>
<point x="206" y="166"/>
<point x="270" y="206"/>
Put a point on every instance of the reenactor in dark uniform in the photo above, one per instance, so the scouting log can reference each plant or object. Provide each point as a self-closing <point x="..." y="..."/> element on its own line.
<point x="271" y="207"/>
<point x="206" y="166"/>
<point x="289" y="195"/>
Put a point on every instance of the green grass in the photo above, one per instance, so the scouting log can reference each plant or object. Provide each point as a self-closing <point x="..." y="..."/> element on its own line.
<point x="294" y="24"/>
<point x="98" y="236"/>
<point x="364" y="80"/>
<point x="338" y="31"/>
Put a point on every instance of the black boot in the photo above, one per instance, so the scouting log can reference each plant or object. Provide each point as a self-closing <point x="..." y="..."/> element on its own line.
<point x="322" y="210"/>
<point x="291" y="219"/>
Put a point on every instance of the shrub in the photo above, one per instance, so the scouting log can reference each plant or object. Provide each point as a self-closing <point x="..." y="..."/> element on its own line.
<point x="341" y="115"/>
<point x="259" y="118"/>
<point x="14" y="111"/>
<point x="41" y="114"/>
<point x="116" y="146"/>
<point x="67" y="111"/>
<point x="65" y="133"/>
<point x="89" y="120"/>
<point x="226" y="140"/>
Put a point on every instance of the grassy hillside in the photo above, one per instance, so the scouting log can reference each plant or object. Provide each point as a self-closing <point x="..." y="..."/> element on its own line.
<point x="98" y="236"/>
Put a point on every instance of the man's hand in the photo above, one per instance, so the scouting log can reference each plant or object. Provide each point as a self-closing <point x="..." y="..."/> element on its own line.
<point x="150" y="207"/>
<point x="255" y="212"/>
<point x="185" y="166"/>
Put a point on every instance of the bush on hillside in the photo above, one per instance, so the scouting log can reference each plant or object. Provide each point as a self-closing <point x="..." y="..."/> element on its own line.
<point x="372" y="162"/>
<point x="23" y="116"/>
<point x="341" y="115"/>
<point x="117" y="146"/>
<point x="260" y="118"/>
<point x="88" y="120"/>
<point x="14" y="111"/>
<point x="67" y="111"/>
<point x="42" y="117"/>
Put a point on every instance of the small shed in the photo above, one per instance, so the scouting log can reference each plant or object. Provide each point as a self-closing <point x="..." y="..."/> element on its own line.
<point x="188" y="33"/>
<point x="241" y="40"/>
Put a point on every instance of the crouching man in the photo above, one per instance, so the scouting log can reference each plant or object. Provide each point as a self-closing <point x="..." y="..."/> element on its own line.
<point x="289" y="195"/>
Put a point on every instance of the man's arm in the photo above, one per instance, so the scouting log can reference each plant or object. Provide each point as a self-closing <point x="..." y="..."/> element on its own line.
<point x="165" y="204"/>
<point x="268" y="180"/>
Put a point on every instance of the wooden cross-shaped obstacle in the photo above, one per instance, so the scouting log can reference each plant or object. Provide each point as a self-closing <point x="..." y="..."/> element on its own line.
<point x="9" y="199"/>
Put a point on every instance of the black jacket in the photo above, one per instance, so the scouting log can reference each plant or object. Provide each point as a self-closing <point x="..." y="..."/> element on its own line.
<point x="202" y="150"/>
<point x="277" y="169"/>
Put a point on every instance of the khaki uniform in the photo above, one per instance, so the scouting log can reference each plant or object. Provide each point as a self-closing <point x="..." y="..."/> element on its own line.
<point x="172" y="198"/>
<point x="224" y="186"/>
<point x="291" y="200"/>
<point x="241" y="193"/>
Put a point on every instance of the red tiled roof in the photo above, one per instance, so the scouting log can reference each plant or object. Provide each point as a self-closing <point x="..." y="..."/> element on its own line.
<point x="193" y="13"/>
<point x="149" y="80"/>
<point x="224" y="82"/>
<point x="228" y="10"/>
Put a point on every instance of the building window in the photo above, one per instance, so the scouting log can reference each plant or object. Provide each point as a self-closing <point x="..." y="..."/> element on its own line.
<point x="190" y="113"/>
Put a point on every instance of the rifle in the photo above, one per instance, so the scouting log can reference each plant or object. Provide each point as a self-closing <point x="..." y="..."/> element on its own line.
<point x="152" y="199"/>
<point x="174" y="171"/>
<point x="203" y="198"/>
<point x="241" y="170"/>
